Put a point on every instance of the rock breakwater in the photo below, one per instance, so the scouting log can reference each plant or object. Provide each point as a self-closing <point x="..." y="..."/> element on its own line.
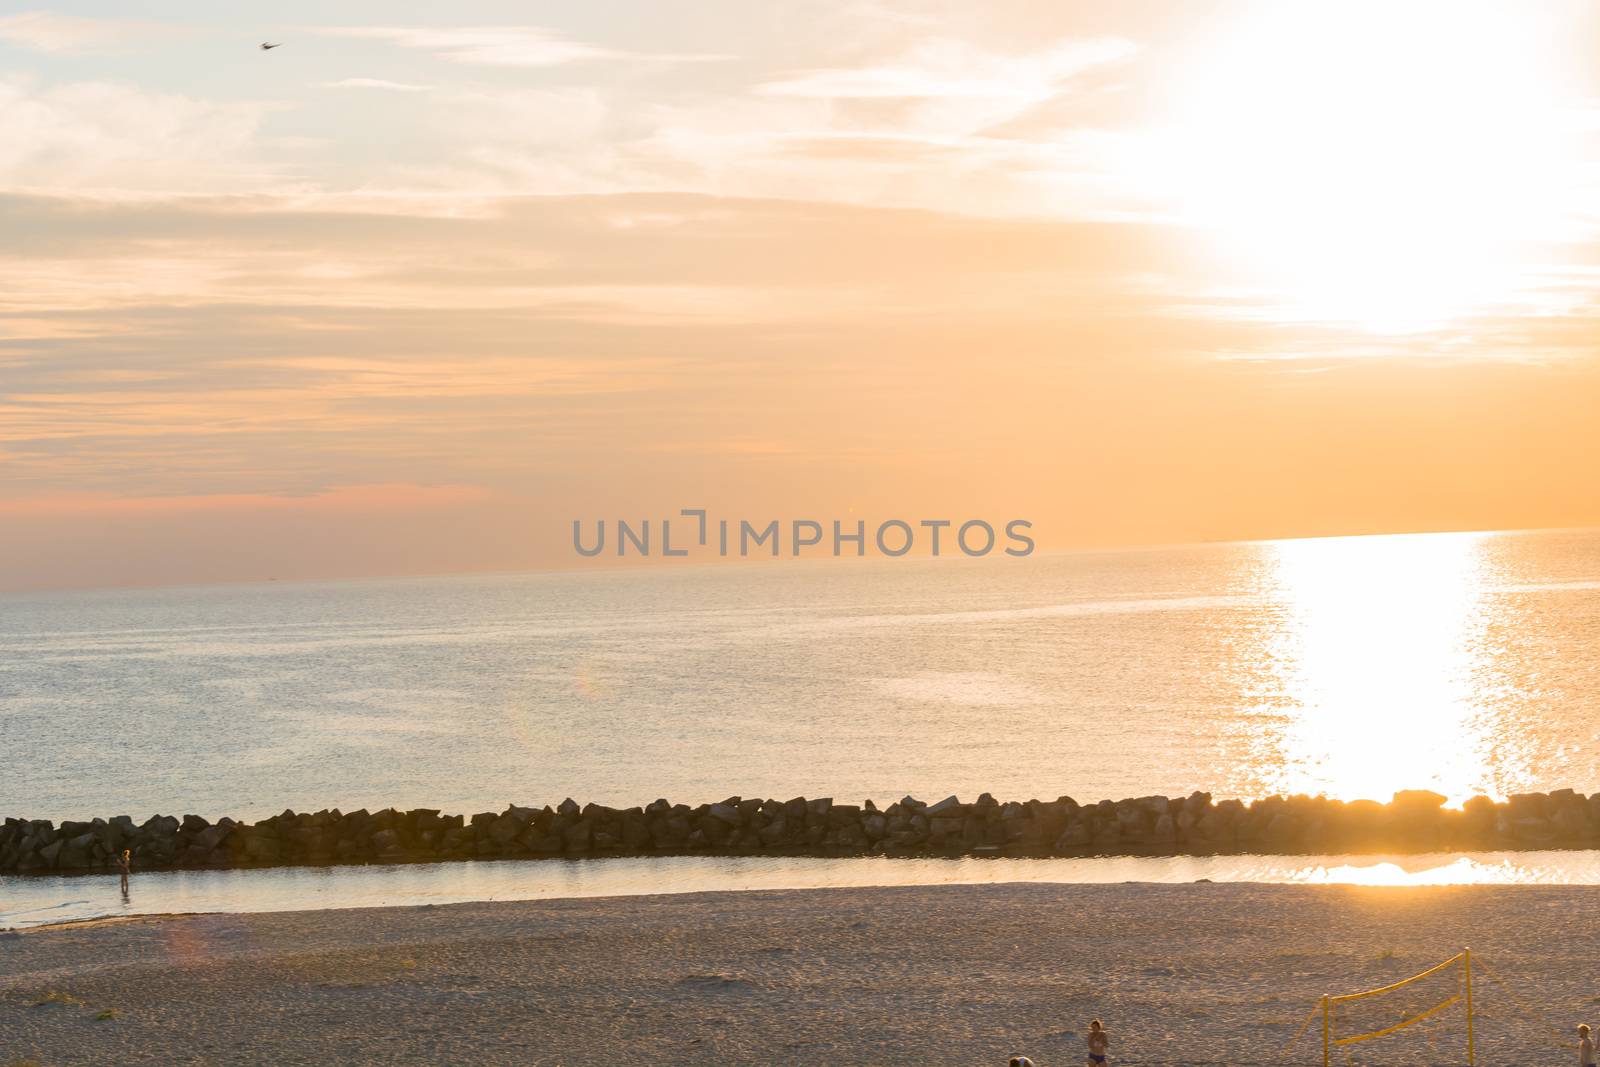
<point x="1413" y="821"/>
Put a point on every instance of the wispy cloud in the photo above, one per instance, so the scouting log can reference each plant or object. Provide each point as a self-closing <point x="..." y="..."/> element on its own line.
<point x="125" y="139"/>
<point x="173" y="363"/>
<point x="942" y="68"/>
<point x="45" y="31"/>
<point x="231" y="333"/>
<point x="496" y="46"/>
<point x="359" y="498"/>
<point x="375" y="83"/>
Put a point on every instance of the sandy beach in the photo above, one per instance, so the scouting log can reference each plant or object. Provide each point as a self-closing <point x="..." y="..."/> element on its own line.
<point x="1187" y="974"/>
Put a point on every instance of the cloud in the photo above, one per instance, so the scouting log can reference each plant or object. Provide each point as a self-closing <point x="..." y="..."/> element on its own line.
<point x="230" y="345"/>
<point x="44" y="31"/>
<point x="632" y="255"/>
<point x="948" y="68"/>
<point x="354" y="498"/>
<point x="909" y="129"/>
<point x="931" y="127"/>
<point x="198" y="373"/>
<point x="495" y="46"/>
<point x="375" y="83"/>
<point x="122" y="138"/>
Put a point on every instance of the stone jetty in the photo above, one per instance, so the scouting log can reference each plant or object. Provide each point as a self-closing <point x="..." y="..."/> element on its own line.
<point x="1413" y="821"/>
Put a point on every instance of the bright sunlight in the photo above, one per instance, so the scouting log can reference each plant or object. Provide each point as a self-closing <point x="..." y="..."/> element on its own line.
<point x="1387" y="167"/>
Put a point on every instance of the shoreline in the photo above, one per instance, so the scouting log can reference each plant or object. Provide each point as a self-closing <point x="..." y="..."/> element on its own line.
<point x="1196" y="973"/>
<point x="51" y="900"/>
<point x="618" y="898"/>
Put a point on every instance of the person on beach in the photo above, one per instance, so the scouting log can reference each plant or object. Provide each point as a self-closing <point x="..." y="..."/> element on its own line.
<point x="1585" y="1047"/>
<point x="124" y="868"/>
<point x="1099" y="1042"/>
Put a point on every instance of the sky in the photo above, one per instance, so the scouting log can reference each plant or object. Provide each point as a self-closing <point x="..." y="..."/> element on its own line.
<point x="415" y="290"/>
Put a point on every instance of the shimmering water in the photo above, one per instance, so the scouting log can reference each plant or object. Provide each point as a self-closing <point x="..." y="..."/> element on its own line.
<point x="40" y="901"/>
<point x="1355" y="666"/>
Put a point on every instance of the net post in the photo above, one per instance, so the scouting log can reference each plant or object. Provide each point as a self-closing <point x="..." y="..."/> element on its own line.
<point x="1326" y="1050"/>
<point x="1466" y="966"/>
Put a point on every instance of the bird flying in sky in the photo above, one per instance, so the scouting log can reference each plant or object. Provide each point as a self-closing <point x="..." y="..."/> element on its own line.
<point x="265" y="45"/>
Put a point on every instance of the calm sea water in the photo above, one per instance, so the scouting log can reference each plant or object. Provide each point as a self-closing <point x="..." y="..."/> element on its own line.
<point x="43" y="900"/>
<point x="1354" y="666"/>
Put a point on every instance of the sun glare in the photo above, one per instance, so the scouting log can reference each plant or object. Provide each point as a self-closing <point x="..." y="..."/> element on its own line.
<point x="1385" y="166"/>
<point x="1377" y="648"/>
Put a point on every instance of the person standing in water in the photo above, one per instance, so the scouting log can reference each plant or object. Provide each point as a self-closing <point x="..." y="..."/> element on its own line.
<point x="124" y="868"/>
<point x="1099" y="1043"/>
<point x="1585" y="1046"/>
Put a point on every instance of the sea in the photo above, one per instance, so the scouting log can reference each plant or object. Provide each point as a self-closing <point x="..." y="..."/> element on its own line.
<point x="1465" y="663"/>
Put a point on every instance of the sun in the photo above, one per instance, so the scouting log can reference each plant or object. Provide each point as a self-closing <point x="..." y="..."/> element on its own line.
<point x="1388" y="166"/>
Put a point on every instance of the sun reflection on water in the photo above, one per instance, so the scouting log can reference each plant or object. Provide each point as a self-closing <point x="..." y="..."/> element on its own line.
<point x="1379" y="656"/>
<point x="1484" y="869"/>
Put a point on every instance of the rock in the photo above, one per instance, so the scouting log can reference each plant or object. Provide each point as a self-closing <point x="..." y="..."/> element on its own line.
<point x="505" y="829"/>
<point x="715" y="831"/>
<point x="1282" y="830"/>
<point x="75" y="854"/>
<point x="635" y="831"/>
<point x="1527" y="806"/>
<point x="1425" y="799"/>
<point x="264" y="850"/>
<point x="1076" y="836"/>
<point x="1215" y="829"/>
<point x="158" y="826"/>
<point x="578" y="837"/>
<point x="209" y="838"/>
<point x="1533" y="831"/>
<point x="1571" y="822"/>
<point x="844" y="815"/>
<point x="1413" y="821"/>
<point x="1480" y="809"/>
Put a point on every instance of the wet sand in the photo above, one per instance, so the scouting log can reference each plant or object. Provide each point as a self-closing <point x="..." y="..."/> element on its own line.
<point x="1191" y="974"/>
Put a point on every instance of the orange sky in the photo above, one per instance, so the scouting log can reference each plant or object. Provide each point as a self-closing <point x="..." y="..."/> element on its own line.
<point x="404" y="298"/>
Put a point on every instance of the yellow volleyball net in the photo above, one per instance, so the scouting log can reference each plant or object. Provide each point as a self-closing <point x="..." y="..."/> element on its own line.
<point x="1438" y="993"/>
